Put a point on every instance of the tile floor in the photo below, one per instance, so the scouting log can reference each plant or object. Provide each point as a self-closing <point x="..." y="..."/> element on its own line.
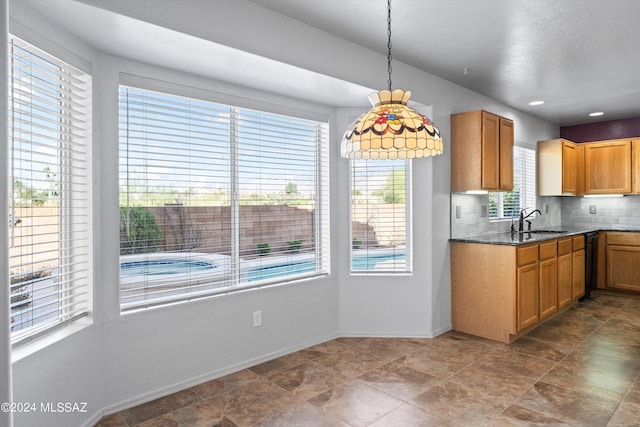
<point x="579" y="369"/>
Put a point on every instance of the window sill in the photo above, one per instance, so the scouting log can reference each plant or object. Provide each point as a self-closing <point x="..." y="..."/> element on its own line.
<point x="25" y="349"/>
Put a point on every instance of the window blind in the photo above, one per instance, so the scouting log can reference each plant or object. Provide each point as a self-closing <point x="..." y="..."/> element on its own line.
<point x="214" y="198"/>
<point x="49" y="227"/>
<point x="380" y="207"/>
<point x="509" y="204"/>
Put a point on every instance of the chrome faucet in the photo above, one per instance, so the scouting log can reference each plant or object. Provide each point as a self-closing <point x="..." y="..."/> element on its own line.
<point x="523" y="217"/>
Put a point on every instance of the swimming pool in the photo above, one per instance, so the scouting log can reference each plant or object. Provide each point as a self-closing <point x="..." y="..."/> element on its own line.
<point x="146" y="277"/>
<point x="150" y="267"/>
<point x="359" y="263"/>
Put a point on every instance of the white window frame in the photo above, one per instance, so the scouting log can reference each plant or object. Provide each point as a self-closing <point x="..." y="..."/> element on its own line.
<point x="406" y="268"/>
<point x="66" y="295"/>
<point x="523" y="172"/>
<point x="321" y="217"/>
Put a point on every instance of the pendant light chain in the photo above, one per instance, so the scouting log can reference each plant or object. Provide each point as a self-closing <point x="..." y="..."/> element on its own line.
<point x="391" y="130"/>
<point x="389" y="42"/>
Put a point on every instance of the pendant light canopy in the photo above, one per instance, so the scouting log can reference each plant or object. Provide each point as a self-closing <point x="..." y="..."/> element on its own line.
<point x="391" y="129"/>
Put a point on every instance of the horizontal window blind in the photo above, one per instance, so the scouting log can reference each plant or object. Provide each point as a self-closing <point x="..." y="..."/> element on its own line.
<point x="509" y="204"/>
<point x="49" y="228"/>
<point x="380" y="207"/>
<point x="215" y="198"/>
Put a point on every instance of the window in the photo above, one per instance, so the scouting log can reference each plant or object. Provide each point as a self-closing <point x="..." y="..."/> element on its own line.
<point x="508" y="205"/>
<point x="215" y="198"/>
<point x="49" y="227"/>
<point x="380" y="213"/>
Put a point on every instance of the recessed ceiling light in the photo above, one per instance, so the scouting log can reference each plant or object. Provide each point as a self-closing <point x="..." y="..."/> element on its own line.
<point x="596" y="114"/>
<point x="536" y="103"/>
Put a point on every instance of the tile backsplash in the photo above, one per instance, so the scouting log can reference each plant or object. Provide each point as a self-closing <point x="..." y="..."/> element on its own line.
<point x="473" y="218"/>
<point x="588" y="211"/>
<point x="556" y="211"/>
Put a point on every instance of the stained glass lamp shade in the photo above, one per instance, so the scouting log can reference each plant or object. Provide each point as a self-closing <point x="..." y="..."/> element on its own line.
<point x="391" y="130"/>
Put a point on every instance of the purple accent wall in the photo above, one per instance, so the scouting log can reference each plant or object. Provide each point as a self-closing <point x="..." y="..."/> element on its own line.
<point x="612" y="129"/>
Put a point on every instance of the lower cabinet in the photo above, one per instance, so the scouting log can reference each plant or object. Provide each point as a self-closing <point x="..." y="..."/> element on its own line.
<point x="499" y="292"/>
<point x="527" y="295"/>
<point x="578" y="274"/>
<point x="622" y="258"/>
<point x="565" y="272"/>
<point x="548" y="282"/>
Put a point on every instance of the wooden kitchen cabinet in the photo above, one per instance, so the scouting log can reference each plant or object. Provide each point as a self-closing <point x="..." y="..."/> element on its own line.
<point x="579" y="259"/>
<point x="500" y="292"/>
<point x="580" y="173"/>
<point x="506" y="155"/>
<point x="481" y="152"/>
<point x="635" y="166"/>
<point x="565" y="272"/>
<point x="608" y="167"/>
<point x="527" y="296"/>
<point x="578" y="274"/>
<point x="557" y="168"/>
<point x="527" y="287"/>
<point x="622" y="261"/>
<point x="548" y="279"/>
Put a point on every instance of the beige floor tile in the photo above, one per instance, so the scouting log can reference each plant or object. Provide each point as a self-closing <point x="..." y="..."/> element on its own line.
<point x="580" y="368"/>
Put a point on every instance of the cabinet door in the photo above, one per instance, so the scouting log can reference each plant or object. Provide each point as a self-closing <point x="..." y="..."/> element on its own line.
<point x="622" y="267"/>
<point x="569" y="170"/>
<point x="548" y="287"/>
<point x="565" y="283"/>
<point x="635" y="166"/>
<point x="527" y="295"/>
<point x="580" y="170"/>
<point x="506" y="154"/>
<point x="490" y="151"/>
<point x="608" y="167"/>
<point x="578" y="274"/>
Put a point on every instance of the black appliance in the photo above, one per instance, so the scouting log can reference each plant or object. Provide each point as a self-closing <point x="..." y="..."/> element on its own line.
<point x="590" y="262"/>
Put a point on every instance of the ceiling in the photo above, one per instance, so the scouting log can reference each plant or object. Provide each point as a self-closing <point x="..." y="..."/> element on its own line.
<point x="578" y="56"/>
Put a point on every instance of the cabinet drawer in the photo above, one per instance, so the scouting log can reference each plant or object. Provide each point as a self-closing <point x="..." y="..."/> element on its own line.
<point x="578" y="243"/>
<point x="623" y="239"/>
<point x="548" y="250"/>
<point x="527" y="255"/>
<point x="565" y="246"/>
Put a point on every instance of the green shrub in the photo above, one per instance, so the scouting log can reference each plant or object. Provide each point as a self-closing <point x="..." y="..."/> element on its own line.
<point x="356" y="243"/>
<point x="263" y="248"/>
<point x="139" y="231"/>
<point x="295" y="245"/>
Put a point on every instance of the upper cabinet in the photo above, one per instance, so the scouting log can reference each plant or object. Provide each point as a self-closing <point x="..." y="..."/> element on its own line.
<point x="560" y="168"/>
<point x="603" y="167"/>
<point x="635" y="166"/>
<point x="481" y="152"/>
<point x="607" y="167"/>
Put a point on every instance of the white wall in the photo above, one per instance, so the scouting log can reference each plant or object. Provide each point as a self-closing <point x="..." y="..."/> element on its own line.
<point x="119" y="361"/>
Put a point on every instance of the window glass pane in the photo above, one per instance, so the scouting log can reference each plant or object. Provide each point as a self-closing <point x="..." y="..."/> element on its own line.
<point x="379" y="212"/>
<point x="215" y="197"/>
<point x="277" y="168"/>
<point x="49" y="227"/>
<point x="509" y="204"/>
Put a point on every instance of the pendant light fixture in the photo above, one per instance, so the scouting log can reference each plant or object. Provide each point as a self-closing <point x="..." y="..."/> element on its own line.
<point x="391" y="130"/>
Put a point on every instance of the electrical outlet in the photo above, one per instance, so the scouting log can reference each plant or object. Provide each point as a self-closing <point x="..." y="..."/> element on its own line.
<point x="257" y="318"/>
<point x="592" y="209"/>
<point x="483" y="211"/>
<point x="458" y="211"/>
<point x="546" y="209"/>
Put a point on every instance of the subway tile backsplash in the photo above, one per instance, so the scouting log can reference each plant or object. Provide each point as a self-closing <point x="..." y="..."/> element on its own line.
<point x="474" y="220"/>
<point x="588" y="211"/>
<point x="556" y="211"/>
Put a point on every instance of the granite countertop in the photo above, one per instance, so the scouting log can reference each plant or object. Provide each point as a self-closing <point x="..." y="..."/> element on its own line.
<point x="549" y="233"/>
